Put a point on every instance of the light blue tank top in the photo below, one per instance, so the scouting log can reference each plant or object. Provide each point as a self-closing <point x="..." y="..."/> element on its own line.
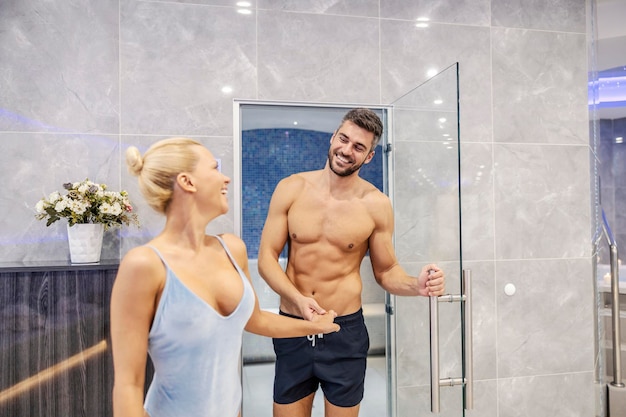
<point x="196" y="352"/>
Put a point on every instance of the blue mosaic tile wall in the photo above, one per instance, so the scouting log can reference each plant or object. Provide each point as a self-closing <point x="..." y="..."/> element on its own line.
<point x="269" y="155"/>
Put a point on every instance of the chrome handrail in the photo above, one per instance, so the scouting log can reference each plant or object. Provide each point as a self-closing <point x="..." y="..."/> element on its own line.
<point x="433" y="310"/>
<point x="468" y="375"/>
<point x="615" y="313"/>
<point x="469" y="339"/>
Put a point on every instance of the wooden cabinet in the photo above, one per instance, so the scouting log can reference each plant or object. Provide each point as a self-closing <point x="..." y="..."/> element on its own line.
<point x="55" y="355"/>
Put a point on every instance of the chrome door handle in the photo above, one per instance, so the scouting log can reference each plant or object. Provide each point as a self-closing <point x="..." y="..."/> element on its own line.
<point x="466" y="317"/>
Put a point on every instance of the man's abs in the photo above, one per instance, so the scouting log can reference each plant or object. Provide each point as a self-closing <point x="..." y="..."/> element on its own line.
<point x="341" y="294"/>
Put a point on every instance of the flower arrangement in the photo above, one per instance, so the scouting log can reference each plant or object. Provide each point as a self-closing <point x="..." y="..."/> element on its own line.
<point x="87" y="202"/>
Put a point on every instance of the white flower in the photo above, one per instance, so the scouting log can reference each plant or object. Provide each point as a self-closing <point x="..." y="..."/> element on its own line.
<point x="115" y="209"/>
<point x="60" y="205"/>
<point x="78" y="207"/>
<point x="83" y="188"/>
<point x="87" y="202"/>
<point x="54" y="197"/>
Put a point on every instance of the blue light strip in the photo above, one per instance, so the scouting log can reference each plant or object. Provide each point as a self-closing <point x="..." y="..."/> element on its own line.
<point x="609" y="89"/>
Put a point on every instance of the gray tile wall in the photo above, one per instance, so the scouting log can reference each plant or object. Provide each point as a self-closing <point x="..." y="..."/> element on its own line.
<point x="80" y="81"/>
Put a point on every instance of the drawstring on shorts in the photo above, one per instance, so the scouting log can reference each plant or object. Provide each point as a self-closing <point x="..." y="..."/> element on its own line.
<point x="311" y="338"/>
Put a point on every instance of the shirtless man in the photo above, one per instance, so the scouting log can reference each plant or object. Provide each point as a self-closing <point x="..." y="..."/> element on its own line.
<point x="330" y="218"/>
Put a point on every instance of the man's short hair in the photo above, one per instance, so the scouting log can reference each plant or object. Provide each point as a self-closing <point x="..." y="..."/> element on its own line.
<point x="368" y="120"/>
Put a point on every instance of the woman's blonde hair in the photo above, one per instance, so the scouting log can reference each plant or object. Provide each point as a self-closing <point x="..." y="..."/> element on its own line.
<point x="159" y="166"/>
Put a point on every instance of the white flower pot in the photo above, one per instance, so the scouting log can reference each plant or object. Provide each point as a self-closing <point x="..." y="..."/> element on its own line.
<point x="85" y="242"/>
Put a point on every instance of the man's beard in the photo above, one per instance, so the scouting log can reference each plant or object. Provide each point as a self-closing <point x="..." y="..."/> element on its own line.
<point x="347" y="171"/>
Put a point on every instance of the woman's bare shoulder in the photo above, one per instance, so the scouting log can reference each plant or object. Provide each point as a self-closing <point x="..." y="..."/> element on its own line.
<point x="234" y="242"/>
<point x="236" y="246"/>
<point x="143" y="263"/>
<point x="140" y="257"/>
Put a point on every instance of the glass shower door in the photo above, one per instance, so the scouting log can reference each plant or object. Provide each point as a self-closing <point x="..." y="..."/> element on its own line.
<point x="426" y="196"/>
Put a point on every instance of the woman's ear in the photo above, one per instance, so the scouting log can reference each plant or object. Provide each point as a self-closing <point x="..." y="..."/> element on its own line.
<point x="185" y="182"/>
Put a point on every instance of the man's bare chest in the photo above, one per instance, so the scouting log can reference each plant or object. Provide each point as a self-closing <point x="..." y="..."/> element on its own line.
<point x="346" y="224"/>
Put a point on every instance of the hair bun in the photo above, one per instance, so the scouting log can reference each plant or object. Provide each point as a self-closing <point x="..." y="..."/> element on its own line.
<point x="134" y="161"/>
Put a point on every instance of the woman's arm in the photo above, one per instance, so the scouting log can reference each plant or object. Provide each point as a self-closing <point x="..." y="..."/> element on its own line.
<point x="270" y="324"/>
<point x="139" y="281"/>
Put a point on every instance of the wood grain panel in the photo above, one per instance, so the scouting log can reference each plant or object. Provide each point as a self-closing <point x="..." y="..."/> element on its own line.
<point x="54" y="343"/>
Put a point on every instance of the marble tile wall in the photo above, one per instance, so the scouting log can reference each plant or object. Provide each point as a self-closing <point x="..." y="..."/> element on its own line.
<point x="82" y="80"/>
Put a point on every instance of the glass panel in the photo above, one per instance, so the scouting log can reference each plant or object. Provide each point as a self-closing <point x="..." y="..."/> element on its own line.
<point x="426" y="196"/>
<point x="607" y="131"/>
<point x="275" y="140"/>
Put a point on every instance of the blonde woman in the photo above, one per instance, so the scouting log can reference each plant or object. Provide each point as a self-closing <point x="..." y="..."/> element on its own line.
<point x="185" y="297"/>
